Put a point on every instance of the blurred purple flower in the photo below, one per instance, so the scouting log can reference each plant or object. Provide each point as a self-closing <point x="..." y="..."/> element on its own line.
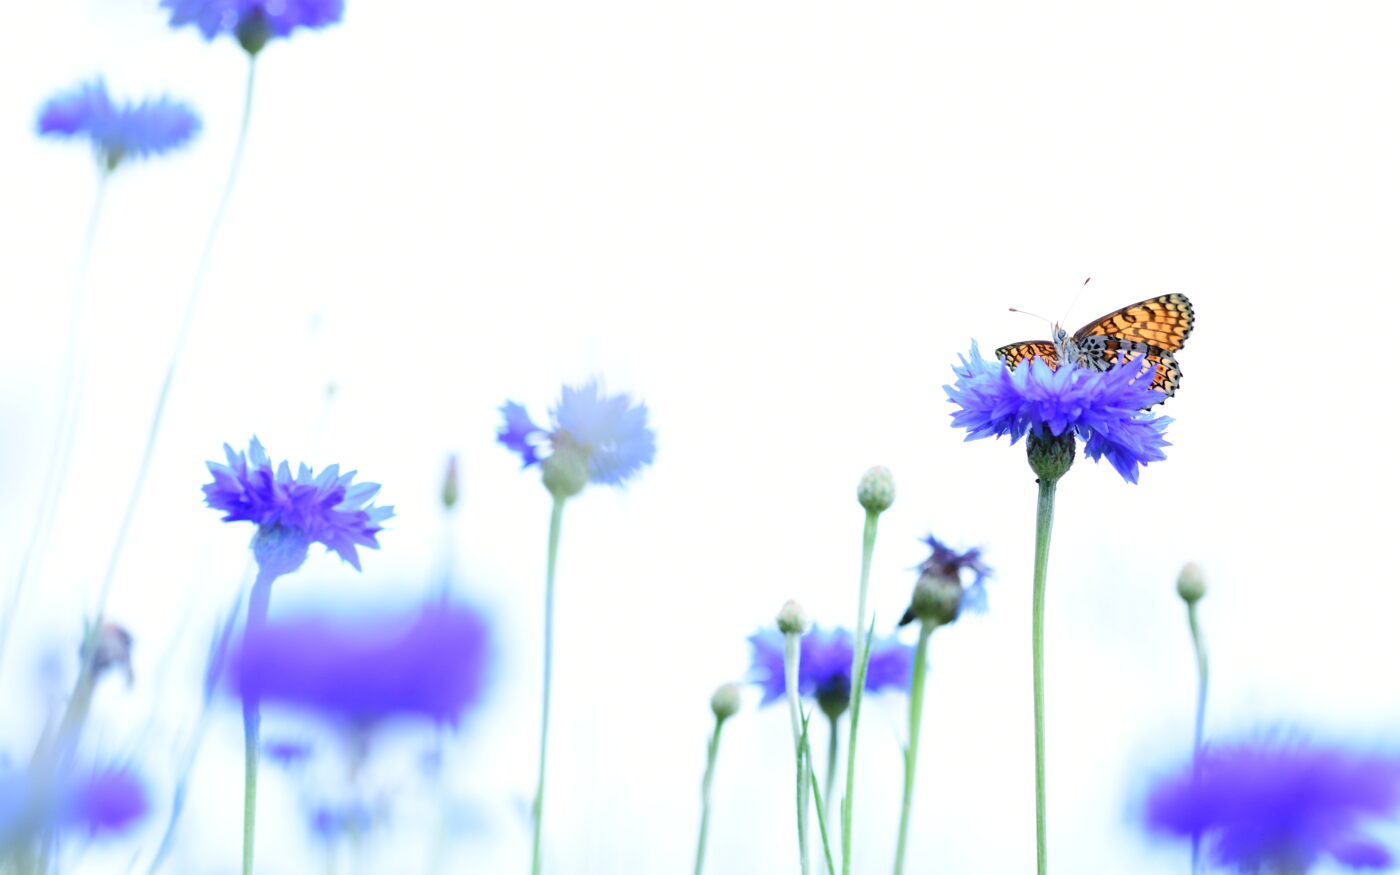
<point x="949" y="563"/>
<point x="429" y="664"/>
<point x="117" y="131"/>
<point x="288" y="753"/>
<point x="824" y="669"/>
<point x="612" y="434"/>
<point x="292" y="513"/>
<point x="100" y="802"/>
<point x="1281" y="807"/>
<point x="266" y="18"/>
<point x="106" y="801"/>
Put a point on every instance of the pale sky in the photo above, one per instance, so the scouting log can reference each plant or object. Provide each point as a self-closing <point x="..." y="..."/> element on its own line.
<point x="778" y="224"/>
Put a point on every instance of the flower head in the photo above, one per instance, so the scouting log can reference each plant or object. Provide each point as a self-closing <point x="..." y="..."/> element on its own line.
<point x="117" y="130"/>
<point x="1105" y="408"/>
<point x="1277" y="807"/>
<point x="253" y="22"/>
<point x="946" y="562"/>
<point x="99" y="802"/>
<point x="605" y="432"/>
<point x="293" y="512"/>
<point x="429" y="664"/>
<point x="824" y="670"/>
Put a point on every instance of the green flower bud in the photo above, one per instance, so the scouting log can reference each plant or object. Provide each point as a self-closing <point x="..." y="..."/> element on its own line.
<point x="450" y="490"/>
<point x="1050" y="456"/>
<point x="1191" y="583"/>
<point x="792" y="620"/>
<point x="876" y="490"/>
<point x="253" y="30"/>
<point x="725" y="701"/>
<point x="937" y="600"/>
<point x="566" y="472"/>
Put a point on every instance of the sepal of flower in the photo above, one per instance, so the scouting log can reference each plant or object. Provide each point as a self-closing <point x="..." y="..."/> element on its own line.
<point x="1105" y="408"/>
<point x="606" y="432"/>
<point x="1270" y="806"/>
<point x="117" y="131"/>
<point x="253" y="22"/>
<point x="294" y="512"/>
<point x="824" y="670"/>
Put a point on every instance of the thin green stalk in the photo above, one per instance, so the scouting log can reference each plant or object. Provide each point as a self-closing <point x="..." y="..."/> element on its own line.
<point x="181" y="337"/>
<point x="792" y="657"/>
<point x="258" y="599"/>
<point x="1044" y="519"/>
<point x="833" y="752"/>
<point x="817" y="793"/>
<point x="56" y="474"/>
<point x="712" y="754"/>
<point x="911" y="753"/>
<point x="861" y="655"/>
<point x="556" y="517"/>
<point x="1198" y="742"/>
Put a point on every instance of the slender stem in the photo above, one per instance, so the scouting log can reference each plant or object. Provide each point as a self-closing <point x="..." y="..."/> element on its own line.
<point x="911" y="753"/>
<point x="833" y="752"/>
<point x="181" y="336"/>
<point x="711" y="755"/>
<point x="792" y="658"/>
<point x="821" y="813"/>
<point x="56" y="474"/>
<point x="1044" y="518"/>
<point x="556" y="517"/>
<point x="258" y="600"/>
<point x="1198" y="741"/>
<point x="859" y="656"/>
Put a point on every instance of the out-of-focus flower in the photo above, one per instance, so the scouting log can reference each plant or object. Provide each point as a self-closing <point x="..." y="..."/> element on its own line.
<point x="293" y="512"/>
<point x="330" y="822"/>
<point x="605" y="434"/>
<point x="118" y="131"/>
<point x="100" y="802"/>
<point x="106" y="801"/>
<point x="430" y="664"/>
<point x="824" y="670"/>
<point x="1279" y="807"/>
<point x="944" y="561"/>
<point x="253" y="22"/>
<point x="1102" y="407"/>
<point x="287" y="752"/>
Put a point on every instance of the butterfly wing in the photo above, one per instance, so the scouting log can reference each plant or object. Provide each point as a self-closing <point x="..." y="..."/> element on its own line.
<point x="1163" y="322"/>
<point x="1015" y="353"/>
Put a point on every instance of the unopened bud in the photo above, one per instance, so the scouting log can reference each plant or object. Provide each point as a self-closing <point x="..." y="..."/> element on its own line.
<point x="937" y="600"/>
<point x="1191" y="583"/>
<point x="566" y="472"/>
<point x="450" y="491"/>
<point x="876" y="489"/>
<point x="725" y="701"/>
<point x="792" y="620"/>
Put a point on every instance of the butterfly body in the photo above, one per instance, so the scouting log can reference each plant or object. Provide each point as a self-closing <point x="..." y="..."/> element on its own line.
<point x="1150" y="331"/>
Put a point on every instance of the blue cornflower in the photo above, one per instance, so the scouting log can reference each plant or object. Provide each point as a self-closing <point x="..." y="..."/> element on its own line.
<point x="99" y="802"/>
<point x="253" y="22"/>
<point x="949" y="563"/>
<point x="1280" y="807"/>
<point x="824" y="668"/>
<point x="1105" y="408"/>
<point x="118" y="130"/>
<point x="603" y="436"/>
<point x="293" y="512"/>
<point x="431" y="664"/>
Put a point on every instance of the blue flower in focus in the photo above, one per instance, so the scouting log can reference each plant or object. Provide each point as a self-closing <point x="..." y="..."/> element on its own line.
<point x="605" y="432"/>
<point x="293" y="512"/>
<point x="824" y="668"/>
<point x="430" y="664"/>
<point x="1105" y="408"/>
<point x="253" y="22"/>
<point x="1275" y="807"/>
<point x="949" y="563"/>
<point x="118" y="130"/>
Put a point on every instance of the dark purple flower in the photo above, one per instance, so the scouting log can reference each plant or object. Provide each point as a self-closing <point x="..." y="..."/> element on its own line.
<point x="294" y="512"/>
<point x="1281" y="807"/>
<point x="118" y="131"/>
<point x="949" y="563"/>
<point x="824" y="668"/>
<point x="431" y="663"/>
<point x="607" y="430"/>
<point x="1105" y="408"/>
<point x="256" y="20"/>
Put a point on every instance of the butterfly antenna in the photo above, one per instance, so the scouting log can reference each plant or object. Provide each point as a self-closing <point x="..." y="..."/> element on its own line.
<point x="1029" y="313"/>
<point x="1077" y="295"/>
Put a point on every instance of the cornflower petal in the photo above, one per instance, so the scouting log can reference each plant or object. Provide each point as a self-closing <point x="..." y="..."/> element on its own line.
<point x="118" y="131"/>
<point x="612" y="434"/>
<point x="824" y="669"/>
<point x="281" y="17"/>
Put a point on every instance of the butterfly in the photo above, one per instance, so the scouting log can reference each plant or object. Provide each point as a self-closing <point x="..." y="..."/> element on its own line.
<point x="1150" y="330"/>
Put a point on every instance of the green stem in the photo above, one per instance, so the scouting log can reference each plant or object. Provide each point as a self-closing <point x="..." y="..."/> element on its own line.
<point x="1198" y="741"/>
<point x="821" y="815"/>
<point x="792" y="657"/>
<point x="258" y="600"/>
<point x="858" y="665"/>
<point x="181" y="337"/>
<point x="556" y="517"/>
<point x="56" y="474"/>
<point x="711" y="755"/>
<point x="833" y="752"/>
<point x="911" y="753"/>
<point x="1044" y="519"/>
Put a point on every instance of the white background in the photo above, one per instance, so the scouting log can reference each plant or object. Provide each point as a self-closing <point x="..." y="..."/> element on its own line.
<point x="777" y="223"/>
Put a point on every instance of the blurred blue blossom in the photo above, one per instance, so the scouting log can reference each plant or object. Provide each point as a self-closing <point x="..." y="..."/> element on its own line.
<point x="611" y="434"/>
<point x="288" y="753"/>
<point x="1271" y="806"/>
<point x="118" y="130"/>
<point x="99" y="802"/>
<point x="268" y="18"/>
<point x="431" y="664"/>
<point x="330" y="822"/>
<point x="949" y="563"/>
<point x="824" y="669"/>
<point x="293" y="512"/>
<point x="1102" y="407"/>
